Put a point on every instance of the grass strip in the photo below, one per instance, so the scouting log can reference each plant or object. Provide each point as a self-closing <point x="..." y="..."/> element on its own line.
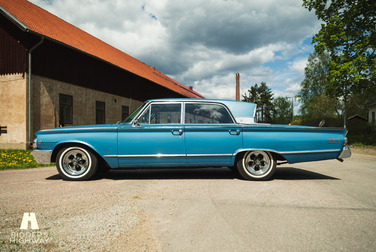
<point x="18" y="159"/>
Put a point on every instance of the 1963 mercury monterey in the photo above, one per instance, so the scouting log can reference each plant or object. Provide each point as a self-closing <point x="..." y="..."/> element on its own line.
<point x="187" y="133"/>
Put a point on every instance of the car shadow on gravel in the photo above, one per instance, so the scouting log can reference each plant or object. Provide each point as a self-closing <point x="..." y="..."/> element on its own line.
<point x="285" y="173"/>
<point x="145" y="174"/>
<point x="289" y="173"/>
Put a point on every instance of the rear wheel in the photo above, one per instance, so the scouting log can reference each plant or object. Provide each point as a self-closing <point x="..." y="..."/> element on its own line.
<point x="256" y="165"/>
<point x="76" y="163"/>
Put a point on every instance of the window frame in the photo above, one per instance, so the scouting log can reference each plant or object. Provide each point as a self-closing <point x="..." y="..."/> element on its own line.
<point x="122" y="113"/>
<point x="183" y="103"/>
<point x="104" y="112"/>
<point x="65" y="105"/>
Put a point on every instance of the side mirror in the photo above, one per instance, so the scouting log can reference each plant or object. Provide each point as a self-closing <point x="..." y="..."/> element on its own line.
<point x="135" y="123"/>
<point x="322" y="123"/>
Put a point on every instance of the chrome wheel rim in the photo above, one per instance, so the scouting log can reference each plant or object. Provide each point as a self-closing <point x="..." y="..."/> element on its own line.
<point x="257" y="163"/>
<point x="75" y="162"/>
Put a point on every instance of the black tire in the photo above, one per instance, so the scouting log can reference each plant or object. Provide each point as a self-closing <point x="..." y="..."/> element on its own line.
<point x="76" y="163"/>
<point x="256" y="165"/>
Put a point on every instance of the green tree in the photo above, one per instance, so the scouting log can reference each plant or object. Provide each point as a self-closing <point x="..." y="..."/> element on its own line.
<point x="349" y="35"/>
<point x="282" y="113"/>
<point x="314" y="101"/>
<point x="263" y="97"/>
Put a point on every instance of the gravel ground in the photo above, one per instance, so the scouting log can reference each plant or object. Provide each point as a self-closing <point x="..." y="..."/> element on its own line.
<point x="363" y="150"/>
<point x="85" y="216"/>
<point x="312" y="206"/>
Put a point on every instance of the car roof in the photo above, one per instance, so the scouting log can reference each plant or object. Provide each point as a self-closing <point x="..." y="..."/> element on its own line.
<point x="237" y="108"/>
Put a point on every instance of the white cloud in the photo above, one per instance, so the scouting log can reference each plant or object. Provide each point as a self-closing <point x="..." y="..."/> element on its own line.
<point x="204" y="43"/>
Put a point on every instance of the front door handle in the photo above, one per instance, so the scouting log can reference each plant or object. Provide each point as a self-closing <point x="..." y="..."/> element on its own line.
<point x="177" y="132"/>
<point x="234" y="132"/>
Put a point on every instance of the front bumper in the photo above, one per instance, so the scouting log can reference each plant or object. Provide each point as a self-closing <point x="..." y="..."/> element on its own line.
<point x="42" y="157"/>
<point x="346" y="152"/>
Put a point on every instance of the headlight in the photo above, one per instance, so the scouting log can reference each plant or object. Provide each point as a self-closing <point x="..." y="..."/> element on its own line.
<point x="345" y="141"/>
<point x="35" y="143"/>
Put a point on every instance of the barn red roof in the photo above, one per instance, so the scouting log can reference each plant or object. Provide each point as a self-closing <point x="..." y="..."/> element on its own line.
<point x="46" y="24"/>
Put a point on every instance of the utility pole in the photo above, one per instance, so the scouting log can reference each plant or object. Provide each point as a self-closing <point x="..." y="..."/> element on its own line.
<point x="292" y="109"/>
<point x="237" y="87"/>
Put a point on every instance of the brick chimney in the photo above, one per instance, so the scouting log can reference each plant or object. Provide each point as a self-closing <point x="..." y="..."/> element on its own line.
<point x="190" y="88"/>
<point x="237" y="87"/>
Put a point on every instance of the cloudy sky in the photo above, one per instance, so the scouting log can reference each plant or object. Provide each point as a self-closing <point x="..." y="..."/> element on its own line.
<point x="203" y="43"/>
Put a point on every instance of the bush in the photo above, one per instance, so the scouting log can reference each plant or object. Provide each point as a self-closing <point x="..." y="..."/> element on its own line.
<point x="357" y="127"/>
<point x="329" y="122"/>
<point x="367" y="140"/>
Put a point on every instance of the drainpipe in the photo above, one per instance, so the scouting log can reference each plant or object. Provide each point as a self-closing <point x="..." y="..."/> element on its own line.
<point x="30" y="51"/>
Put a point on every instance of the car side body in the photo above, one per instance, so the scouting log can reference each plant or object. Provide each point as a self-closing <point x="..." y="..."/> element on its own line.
<point x="187" y="133"/>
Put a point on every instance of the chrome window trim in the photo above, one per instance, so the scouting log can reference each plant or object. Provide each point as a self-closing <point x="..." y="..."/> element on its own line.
<point x="183" y="103"/>
<point x="148" y="105"/>
<point x="157" y="127"/>
<point x="214" y="126"/>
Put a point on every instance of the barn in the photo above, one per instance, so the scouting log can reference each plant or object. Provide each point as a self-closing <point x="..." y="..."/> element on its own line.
<point x="53" y="73"/>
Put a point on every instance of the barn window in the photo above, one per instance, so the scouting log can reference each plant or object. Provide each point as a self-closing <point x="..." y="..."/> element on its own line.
<point x="65" y="109"/>
<point x="100" y="113"/>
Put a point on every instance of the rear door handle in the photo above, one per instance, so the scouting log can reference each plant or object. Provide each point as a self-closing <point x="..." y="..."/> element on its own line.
<point x="234" y="132"/>
<point x="177" y="132"/>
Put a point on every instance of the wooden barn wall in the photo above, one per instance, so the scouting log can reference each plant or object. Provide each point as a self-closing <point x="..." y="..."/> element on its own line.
<point x="58" y="62"/>
<point x="12" y="48"/>
<point x="61" y="63"/>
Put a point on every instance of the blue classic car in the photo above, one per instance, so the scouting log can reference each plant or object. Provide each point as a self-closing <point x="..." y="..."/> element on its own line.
<point x="187" y="133"/>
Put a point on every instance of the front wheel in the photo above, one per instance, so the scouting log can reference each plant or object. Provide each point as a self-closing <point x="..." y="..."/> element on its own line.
<point x="76" y="163"/>
<point x="256" y="165"/>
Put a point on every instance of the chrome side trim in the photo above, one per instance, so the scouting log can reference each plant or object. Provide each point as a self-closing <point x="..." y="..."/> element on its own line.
<point x="169" y="155"/>
<point x="209" y="155"/>
<point x="157" y="156"/>
<point x="287" y="152"/>
<point x="79" y="129"/>
<point x="42" y="157"/>
<point x="221" y="155"/>
<point x="307" y="152"/>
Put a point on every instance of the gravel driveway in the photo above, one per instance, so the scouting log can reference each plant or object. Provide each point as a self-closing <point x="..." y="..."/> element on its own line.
<point x="324" y="205"/>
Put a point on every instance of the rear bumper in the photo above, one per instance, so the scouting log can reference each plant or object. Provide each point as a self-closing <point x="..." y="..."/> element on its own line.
<point x="42" y="157"/>
<point x="346" y="152"/>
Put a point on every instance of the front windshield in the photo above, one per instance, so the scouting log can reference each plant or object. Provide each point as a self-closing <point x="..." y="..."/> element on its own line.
<point x="131" y="116"/>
